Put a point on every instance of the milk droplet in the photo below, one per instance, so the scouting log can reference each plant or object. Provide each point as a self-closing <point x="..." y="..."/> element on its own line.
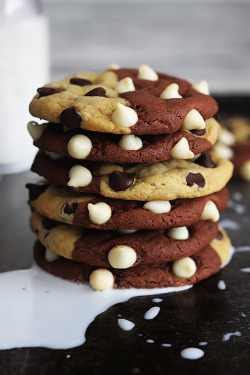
<point x="157" y="300"/>
<point x="125" y="324"/>
<point x="245" y="269"/>
<point x="227" y="336"/>
<point x="221" y="285"/>
<point x="192" y="353"/>
<point x="203" y="343"/>
<point x="152" y="313"/>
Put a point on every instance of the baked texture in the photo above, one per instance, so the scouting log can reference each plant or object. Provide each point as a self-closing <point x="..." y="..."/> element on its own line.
<point x="208" y="261"/>
<point x="167" y="180"/>
<point x="66" y="102"/>
<point x="61" y="204"/>
<point x="88" y="246"/>
<point x="105" y="147"/>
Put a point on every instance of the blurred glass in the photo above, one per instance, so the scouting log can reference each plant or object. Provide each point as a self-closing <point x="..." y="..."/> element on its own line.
<point x="24" y="66"/>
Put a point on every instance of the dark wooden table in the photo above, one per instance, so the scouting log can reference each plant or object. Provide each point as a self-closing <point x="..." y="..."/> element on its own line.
<point x="203" y="313"/>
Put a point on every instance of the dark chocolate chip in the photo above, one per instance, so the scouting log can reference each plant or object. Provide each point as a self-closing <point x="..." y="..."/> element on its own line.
<point x="46" y="235"/>
<point x="46" y="91"/>
<point x="198" y="131"/>
<point x="49" y="223"/>
<point x="35" y="190"/>
<point x="80" y="81"/>
<point x="69" y="208"/>
<point x="219" y="235"/>
<point x="195" y="178"/>
<point x="205" y="160"/>
<point x="120" y="180"/>
<point x="98" y="91"/>
<point x="70" y="119"/>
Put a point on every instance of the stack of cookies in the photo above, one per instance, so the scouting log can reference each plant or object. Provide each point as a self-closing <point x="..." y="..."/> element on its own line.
<point x="234" y="144"/>
<point x="132" y="192"/>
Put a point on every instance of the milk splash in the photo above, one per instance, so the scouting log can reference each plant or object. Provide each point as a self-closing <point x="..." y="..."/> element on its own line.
<point x="38" y="309"/>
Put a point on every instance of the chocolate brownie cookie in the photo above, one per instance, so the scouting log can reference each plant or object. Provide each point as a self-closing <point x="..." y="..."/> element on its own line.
<point x="124" y="101"/>
<point x="167" y="180"/>
<point x="82" y="144"/>
<point x="119" y="250"/>
<point x="96" y="212"/>
<point x="186" y="271"/>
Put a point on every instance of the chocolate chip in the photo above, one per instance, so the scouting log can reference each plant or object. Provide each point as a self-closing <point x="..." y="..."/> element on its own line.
<point x="205" y="160"/>
<point x="120" y="180"/>
<point x="35" y="190"/>
<point x="49" y="223"/>
<point x="195" y="178"/>
<point x="46" y="91"/>
<point x="219" y="235"/>
<point x="98" y="91"/>
<point x="70" y="119"/>
<point x="198" y="131"/>
<point x="46" y="235"/>
<point x="80" y="81"/>
<point x="69" y="208"/>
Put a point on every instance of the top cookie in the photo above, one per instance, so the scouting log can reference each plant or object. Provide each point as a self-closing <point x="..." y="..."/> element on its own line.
<point x="124" y="101"/>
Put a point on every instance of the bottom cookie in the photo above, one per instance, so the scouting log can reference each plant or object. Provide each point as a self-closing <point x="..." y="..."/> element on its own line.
<point x="186" y="271"/>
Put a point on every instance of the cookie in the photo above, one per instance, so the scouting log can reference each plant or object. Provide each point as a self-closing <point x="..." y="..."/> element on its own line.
<point x="138" y="105"/>
<point x="119" y="250"/>
<point x="167" y="180"/>
<point x="204" y="263"/>
<point x="82" y="144"/>
<point x="60" y="204"/>
<point x="234" y="144"/>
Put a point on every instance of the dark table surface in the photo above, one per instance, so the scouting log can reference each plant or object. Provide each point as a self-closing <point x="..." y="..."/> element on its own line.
<point x="203" y="313"/>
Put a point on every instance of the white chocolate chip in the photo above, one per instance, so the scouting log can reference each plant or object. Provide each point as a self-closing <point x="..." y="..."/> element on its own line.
<point x="180" y="233"/>
<point x="99" y="213"/>
<point x="245" y="171"/>
<point x="158" y="207"/>
<point x="79" y="176"/>
<point x="50" y="256"/>
<point x="226" y="137"/>
<point x="54" y="155"/>
<point x="193" y="120"/>
<point x="125" y="85"/>
<point x="35" y="129"/>
<point x="101" y="279"/>
<point x="124" y="116"/>
<point x="114" y="66"/>
<point x="210" y="212"/>
<point x="130" y="142"/>
<point x="145" y="72"/>
<point x="122" y="257"/>
<point x="171" y="92"/>
<point x="223" y="151"/>
<point x="79" y="146"/>
<point x="184" y="267"/>
<point x="127" y="231"/>
<point x="202" y="87"/>
<point x="181" y="150"/>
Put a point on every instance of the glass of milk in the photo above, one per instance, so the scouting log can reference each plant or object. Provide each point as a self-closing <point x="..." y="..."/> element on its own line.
<point x="24" y="66"/>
